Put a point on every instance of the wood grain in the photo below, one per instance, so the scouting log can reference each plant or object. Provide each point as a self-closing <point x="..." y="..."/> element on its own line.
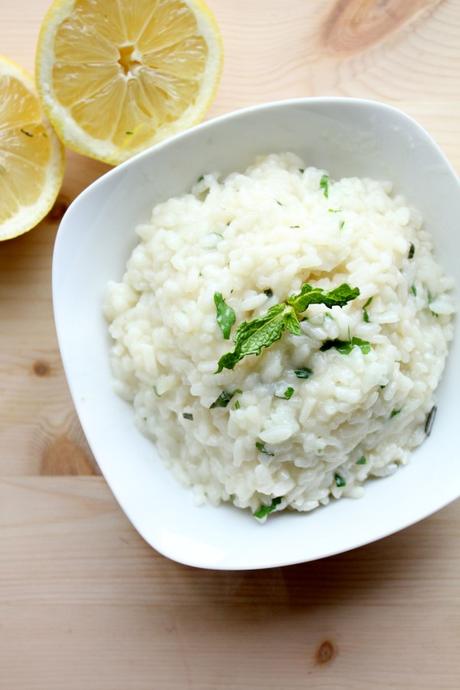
<point x="353" y="26"/>
<point x="406" y="53"/>
<point x="85" y="603"/>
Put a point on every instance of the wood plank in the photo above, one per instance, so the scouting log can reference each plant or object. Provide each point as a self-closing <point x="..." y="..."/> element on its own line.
<point x="402" y="53"/>
<point x="85" y="603"/>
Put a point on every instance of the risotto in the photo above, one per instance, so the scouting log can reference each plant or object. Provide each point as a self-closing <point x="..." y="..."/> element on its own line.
<point x="281" y="335"/>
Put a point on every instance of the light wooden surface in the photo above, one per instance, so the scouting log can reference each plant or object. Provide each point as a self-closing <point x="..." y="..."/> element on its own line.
<point x="84" y="603"/>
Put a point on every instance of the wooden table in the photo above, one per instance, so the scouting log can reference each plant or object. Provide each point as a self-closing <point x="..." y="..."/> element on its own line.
<point x="84" y="603"/>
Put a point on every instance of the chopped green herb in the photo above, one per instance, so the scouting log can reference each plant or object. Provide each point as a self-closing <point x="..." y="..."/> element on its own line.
<point x="262" y="449"/>
<point x="24" y="131"/>
<point x="237" y="405"/>
<point x="383" y="386"/>
<point x="129" y="132"/>
<point x="268" y="292"/>
<point x="431" y="416"/>
<point x="362" y="460"/>
<point x="278" y="202"/>
<point x="342" y="225"/>
<point x="156" y="392"/>
<point x="339" y="296"/>
<point x="346" y="346"/>
<point x="303" y="373"/>
<point x="413" y="290"/>
<point x="394" y="413"/>
<point x="301" y="170"/>
<point x="188" y="415"/>
<point x="225" y="316"/>
<point x="252" y="336"/>
<point x="430" y="299"/>
<point x="288" y="393"/>
<point x="334" y="210"/>
<point x="294" y="226"/>
<point x="263" y="510"/>
<point x="365" y="312"/>
<point x="223" y="399"/>
<point x="339" y="480"/>
<point x="411" y="251"/>
<point x="200" y="178"/>
<point x="324" y="185"/>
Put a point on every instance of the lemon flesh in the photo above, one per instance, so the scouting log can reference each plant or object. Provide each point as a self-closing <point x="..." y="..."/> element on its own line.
<point x="31" y="157"/>
<point x="115" y="78"/>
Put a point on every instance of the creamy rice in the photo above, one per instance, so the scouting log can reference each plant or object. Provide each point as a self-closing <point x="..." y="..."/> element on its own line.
<point x="256" y="237"/>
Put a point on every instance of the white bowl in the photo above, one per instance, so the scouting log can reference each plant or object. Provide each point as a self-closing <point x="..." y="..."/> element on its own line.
<point x="347" y="137"/>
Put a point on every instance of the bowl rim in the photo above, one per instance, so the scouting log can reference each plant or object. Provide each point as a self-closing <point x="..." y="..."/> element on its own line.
<point x="241" y="112"/>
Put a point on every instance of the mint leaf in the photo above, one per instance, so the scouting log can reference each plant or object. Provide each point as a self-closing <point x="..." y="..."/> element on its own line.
<point x="252" y="336"/>
<point x="364" y="345"/>
<point x="288" y="393"/>
<point x="339" y="296"/>
<point x="263" y="511"/>
<point x="431" y="416"/>
<point x="346" y="346"/>
<point x="339" y="480"/>
<point x="225" y="316"/>
<point x="365" y="312"/>
<point x="223" y="399"/>
<point x="262" y="449"/>
<point x="324" y="185"/>
<point x="292" y="324"/>
<point x="303" y="373"/>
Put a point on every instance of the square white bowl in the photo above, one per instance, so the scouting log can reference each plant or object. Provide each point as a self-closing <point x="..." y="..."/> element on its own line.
<point x="347" y="137"/>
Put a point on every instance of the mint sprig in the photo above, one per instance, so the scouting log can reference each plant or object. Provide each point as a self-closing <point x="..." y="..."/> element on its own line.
<point x="253" y="336"/>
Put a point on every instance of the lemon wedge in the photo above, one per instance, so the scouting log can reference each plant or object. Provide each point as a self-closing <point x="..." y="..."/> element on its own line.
<point x="117" y="77"/>
<point x="31" y="156"/>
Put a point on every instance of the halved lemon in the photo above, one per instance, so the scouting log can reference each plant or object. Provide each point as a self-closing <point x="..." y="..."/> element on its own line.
<point x="116" y="77"/>
<point x="31" y="156"/>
